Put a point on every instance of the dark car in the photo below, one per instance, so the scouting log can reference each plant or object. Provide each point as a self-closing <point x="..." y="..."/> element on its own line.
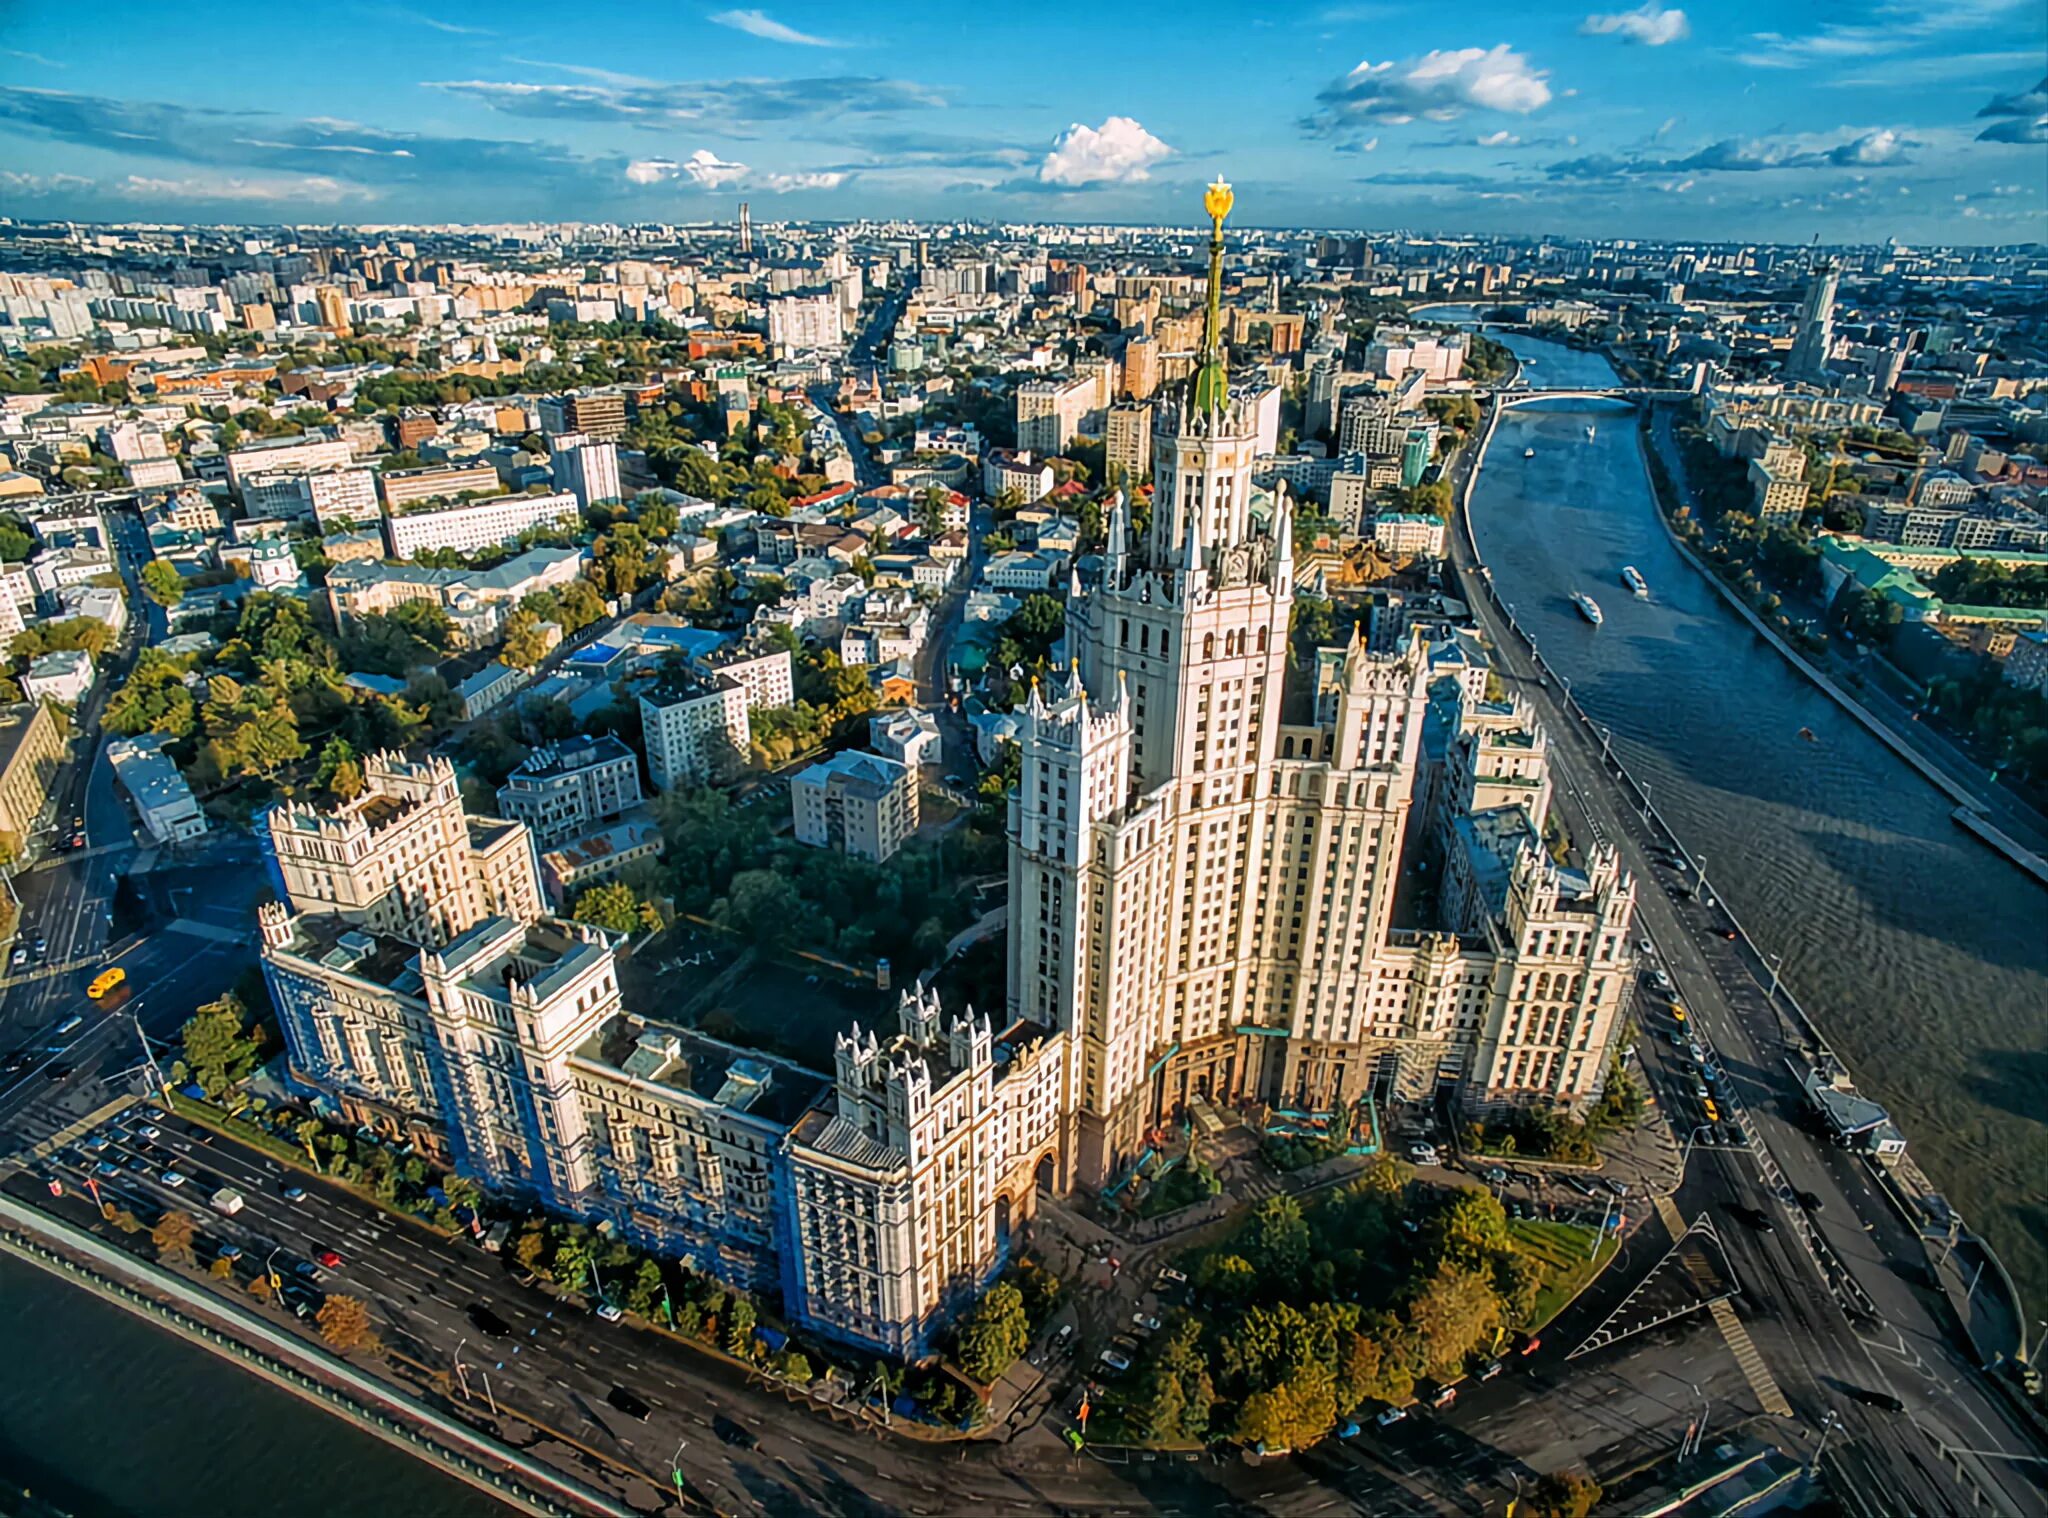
<point x="57" y="1072"/>
<point x="1872" y="1398"/>
<point x="627" y="1403"/>
<point x="1756" y="1217"/>
<point x="488" y="1322"/>
<point x="733" y="1434"/>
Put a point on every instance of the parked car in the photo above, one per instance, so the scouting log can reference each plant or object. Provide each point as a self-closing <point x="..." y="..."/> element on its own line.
<point x="1145" y="1321"/>
<point x="1488" y="1370"/>
<point x="1391" y="1416"/>
<point x="609" y="1313"/>
<point x="172" y="1179"/>
<point x="1115" y="1360"/>
<point x="627" y="1403"/>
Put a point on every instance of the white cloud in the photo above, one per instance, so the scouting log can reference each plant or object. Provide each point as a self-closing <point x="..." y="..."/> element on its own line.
<point x="41" y="184"/>
<point x="1649" y="23"/>
<point x="315" y="189"/>
<point x="1440" y="85"/>
<point x="824" y="179"/>
<point x="768" y="29"/>
<point x="1117" y="152"/>
<point x="706" y="170"/>
<point x="1501" y="139"/>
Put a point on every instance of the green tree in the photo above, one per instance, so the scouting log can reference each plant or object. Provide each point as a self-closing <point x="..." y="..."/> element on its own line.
<point x="1455" y="1312"/>
<point x="162" y="583"/>
<point x="1563" y="1494"/>
<point x="526" y="639"/>
<point x="994" y="1332"/>
<point x="765" y="906"/>
<point x="614" y="906"/>
<point x="1294" y="1414"/>
<point x="341" y="771"/>
<point x="644" y="1288"/>
<point x="218" y="1049"/>
<point x="737" y="1336"/>
<point x="154" y="699"/>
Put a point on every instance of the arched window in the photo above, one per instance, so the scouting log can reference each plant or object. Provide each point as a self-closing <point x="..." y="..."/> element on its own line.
<point x="1208" y="645"/>
<point x="1162" y="643"/>
<point x="1144" y="639"/>
<point x="1262" y="640"/>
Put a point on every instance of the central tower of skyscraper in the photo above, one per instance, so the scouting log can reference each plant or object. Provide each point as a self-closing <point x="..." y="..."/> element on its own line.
<point x="1203" y="859"/>
<point x="1815" y="339"/>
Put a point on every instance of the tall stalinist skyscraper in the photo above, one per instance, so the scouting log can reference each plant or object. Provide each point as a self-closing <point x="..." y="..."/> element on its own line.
<point x="1203" y="863"/>
<point x="1815" y="339"/>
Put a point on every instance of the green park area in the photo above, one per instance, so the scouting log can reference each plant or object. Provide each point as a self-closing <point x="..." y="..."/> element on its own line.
<point x="1306" y="1314"/>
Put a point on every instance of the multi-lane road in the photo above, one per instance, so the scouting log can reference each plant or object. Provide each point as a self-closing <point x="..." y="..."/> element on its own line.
<point x="1957" y="1440"/>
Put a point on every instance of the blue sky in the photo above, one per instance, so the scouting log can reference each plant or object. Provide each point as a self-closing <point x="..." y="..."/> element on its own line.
<point x="1747" y="119"/>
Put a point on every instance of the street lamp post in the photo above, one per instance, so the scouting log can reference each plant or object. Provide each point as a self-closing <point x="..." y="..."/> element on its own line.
<point x="461" y="1372"/>
<point x="1685" y="1158"/>
<point x="1828" y="1424"/>
<point x="1776" y="961"/>
<point x="675" y="1468"/>
<point x="1646" y="802"/>
<point x="1606" y="746"/>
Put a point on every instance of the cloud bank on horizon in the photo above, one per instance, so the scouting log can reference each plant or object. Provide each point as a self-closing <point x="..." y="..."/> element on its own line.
<point x="1649" y="120"/>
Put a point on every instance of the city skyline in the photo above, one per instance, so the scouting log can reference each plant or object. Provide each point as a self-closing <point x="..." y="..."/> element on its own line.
<point x="1895" y="120"/>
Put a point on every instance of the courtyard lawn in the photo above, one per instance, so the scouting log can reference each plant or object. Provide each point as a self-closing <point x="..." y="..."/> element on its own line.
<point x="1560" y="1249"/>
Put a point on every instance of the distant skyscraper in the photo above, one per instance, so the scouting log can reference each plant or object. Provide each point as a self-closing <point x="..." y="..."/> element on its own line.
<point x="746" y="230"/>
<point x="1816" y="337"/>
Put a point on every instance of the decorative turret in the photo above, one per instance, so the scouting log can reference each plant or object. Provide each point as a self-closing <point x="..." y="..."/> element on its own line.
<point x="917" y="1013"/>
<point x="274" y="918"/>
<point x="970" y="1041"/>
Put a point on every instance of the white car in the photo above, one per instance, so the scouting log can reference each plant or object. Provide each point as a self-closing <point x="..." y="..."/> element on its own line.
<point x="173" y="1179"/>
<point x="1645" y="947"/>
<point x="609" y="1313"/>
<point x="1116" y="1360"/>
<point x="1660" y="980"/>
<point x="1145" y="1321"/>
<point x="1423" y="1154"/>
<point x="1391" y="1416"/>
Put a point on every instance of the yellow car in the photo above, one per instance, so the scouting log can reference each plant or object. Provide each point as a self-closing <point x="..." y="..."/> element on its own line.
<point x="1678" y="1011"/>
<point x="1712" y="1110"/>
<point x="105" y="981"/>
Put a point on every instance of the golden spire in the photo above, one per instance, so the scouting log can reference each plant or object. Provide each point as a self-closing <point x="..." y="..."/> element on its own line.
<point x="1212" y="380"/>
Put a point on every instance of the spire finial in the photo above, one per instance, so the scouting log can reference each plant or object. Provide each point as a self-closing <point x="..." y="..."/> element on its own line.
<point x="1212" y="381"/>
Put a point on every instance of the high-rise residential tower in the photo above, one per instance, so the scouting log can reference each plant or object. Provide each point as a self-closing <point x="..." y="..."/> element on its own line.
<point x="1815" y="339"/>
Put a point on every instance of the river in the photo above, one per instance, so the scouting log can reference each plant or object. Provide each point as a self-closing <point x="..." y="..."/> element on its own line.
<point x="1922" y="953"/>
<point x="108" y="1416"/>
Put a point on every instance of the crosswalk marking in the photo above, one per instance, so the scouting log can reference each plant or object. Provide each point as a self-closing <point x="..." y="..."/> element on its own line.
<point x="84" y="1125"/>
<point x="1754" y="1371"/>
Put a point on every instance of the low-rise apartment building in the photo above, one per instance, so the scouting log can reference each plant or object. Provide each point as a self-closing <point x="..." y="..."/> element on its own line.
<point x="169" y="811"/>
<point x="467" y="526"/>
<point x="563" y="789"/>
<point x="860" y="804"/>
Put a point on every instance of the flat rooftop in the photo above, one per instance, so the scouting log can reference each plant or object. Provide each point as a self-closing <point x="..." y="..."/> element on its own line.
<point x="745" y="1080"/>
